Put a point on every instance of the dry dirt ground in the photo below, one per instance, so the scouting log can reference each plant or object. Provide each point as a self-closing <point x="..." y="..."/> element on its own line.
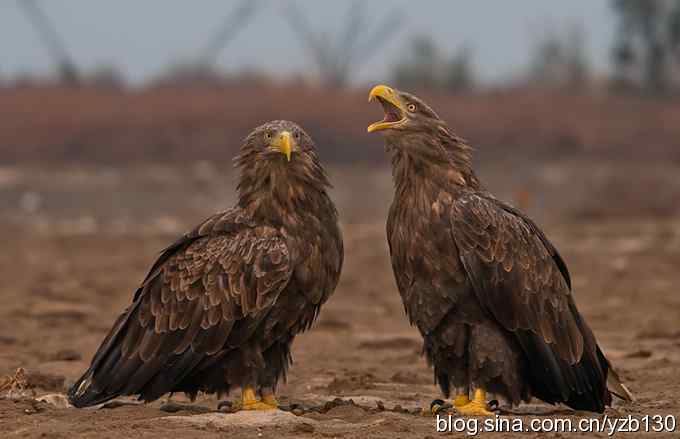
<point x="76" y="241"/>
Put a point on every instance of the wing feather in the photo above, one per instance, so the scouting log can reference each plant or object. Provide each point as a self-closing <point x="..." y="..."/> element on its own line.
<point x="520" y="279"/>
<point x="515" y="275"/>
<point x="224" y="271"/>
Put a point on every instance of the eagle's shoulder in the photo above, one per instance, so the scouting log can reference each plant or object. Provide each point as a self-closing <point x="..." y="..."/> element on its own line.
<point x="220" y="223"/>
<point x="225" y="269"/>
<point x="484" y="212"/>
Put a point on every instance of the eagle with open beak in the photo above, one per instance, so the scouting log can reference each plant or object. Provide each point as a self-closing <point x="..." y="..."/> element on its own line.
<point x="489" y="293"/>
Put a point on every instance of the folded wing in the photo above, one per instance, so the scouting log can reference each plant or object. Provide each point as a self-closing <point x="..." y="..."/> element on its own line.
<point x="522" y="282"/>
<point x="205" y="295"/>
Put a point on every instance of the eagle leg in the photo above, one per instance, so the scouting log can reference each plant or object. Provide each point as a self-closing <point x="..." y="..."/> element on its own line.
<point x="476" y="407"/>
<point x="249" y="401"/>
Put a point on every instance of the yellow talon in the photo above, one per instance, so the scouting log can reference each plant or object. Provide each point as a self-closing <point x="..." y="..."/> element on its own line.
<point x="476" y="407"/>
<point x="257" y="405"/>
<point x="461" y="400"/>
<point x="250" y="401"/>
<point x="270" y="400"/>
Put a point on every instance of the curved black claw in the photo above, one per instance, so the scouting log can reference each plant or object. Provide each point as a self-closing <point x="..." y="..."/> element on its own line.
<point x="436" y="403"/>
<point x="438" y="406"/>
<point x="226" y="406"/>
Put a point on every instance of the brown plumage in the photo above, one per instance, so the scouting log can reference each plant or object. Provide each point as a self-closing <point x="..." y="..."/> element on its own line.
<point x="489" y="293"/>
<point x="222" y="305"/>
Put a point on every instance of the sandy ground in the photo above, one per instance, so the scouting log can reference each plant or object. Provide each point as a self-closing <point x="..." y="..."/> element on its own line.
<point x="75" y="243"/>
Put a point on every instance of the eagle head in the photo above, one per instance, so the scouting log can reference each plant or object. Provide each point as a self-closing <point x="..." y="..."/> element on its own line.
<point x="404" y="112"/>
<point x="279" y="159"/>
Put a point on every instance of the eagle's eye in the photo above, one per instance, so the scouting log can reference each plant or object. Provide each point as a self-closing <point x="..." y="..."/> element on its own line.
<point x="268" y="135"/>
<point x="411" y="107"/>
<point x="296" y="134"/>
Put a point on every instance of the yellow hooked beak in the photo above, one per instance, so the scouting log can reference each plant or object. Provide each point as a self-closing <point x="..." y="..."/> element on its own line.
<point x="392" y="105"/>
<point x="283" y="143"/>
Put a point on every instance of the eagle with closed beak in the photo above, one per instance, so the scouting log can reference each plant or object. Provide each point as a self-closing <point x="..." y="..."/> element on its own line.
<point x="487" y="290"/>
<point x="221" y="306"/>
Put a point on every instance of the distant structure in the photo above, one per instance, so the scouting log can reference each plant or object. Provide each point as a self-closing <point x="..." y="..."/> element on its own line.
<point x="66" y="67"/>
<point x="337" y="56"/>
<point x="233" y="24"/>
<point x="202" y="70"/>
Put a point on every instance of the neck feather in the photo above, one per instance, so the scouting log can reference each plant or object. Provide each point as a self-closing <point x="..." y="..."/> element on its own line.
<point x="282" y="196"/>
<point x="438" y="156"/>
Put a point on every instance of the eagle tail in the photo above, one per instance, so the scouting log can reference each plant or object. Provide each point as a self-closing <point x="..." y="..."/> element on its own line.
<point x="616" y="387"/>
<point x="84" y="394"/>
<point x="113" y="374"/>
<point x="88" y="390"/>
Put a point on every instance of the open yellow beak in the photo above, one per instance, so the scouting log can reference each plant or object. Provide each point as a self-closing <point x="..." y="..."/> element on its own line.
<point x="283" y="143"/>
<point x="392" y="105"/>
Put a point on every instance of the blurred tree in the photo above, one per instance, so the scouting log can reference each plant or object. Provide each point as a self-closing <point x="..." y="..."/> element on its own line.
<point x="560" y="58"/>
<point x="418" y="66"/>
<point x="422" y="66"/>
<point x="459" y="74"/>
<point x="647" y="47"/>
<point x="105" y="76"/>
<point x="203" y="69"/>
<point x="232" y="25"/>
<point x="55" y="45"/>
<point x="187" y="74"/>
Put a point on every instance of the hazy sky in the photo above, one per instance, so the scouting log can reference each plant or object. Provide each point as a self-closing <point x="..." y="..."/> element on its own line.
<point x="143" y="37"/>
